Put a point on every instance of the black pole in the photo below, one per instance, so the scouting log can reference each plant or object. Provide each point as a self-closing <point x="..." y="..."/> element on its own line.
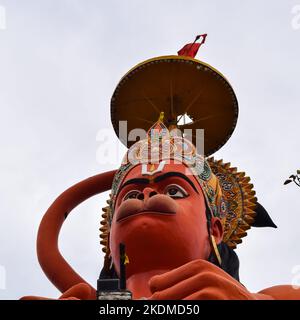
<point x="122" y="266"/>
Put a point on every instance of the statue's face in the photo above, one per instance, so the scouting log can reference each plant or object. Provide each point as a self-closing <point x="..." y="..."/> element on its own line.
<point x="161" y="219"/>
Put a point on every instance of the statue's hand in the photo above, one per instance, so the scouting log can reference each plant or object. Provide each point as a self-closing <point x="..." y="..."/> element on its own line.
<point x="80" y="291"/>
<point x="198" y="280"/>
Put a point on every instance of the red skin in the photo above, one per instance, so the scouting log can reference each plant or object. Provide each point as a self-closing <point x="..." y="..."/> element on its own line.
<point x="167" y="252"/>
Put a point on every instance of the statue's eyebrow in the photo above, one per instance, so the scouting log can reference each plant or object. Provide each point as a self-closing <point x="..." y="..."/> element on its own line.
<point x="134" y="181"/>
<point x="175" y="174"/>
<point x="158" y="179"/>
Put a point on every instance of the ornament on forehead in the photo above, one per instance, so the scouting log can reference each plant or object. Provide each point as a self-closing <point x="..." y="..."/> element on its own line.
<point x="164" y="96"/>
<point x="152" y="170"/>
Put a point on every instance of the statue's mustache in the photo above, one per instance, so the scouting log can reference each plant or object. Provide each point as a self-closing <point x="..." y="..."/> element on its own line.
<point x="157" y="204"/>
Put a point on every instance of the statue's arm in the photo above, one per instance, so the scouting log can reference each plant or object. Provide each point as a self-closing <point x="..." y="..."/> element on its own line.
<point x="282" y="292"/>
<point x="52" y="262"/>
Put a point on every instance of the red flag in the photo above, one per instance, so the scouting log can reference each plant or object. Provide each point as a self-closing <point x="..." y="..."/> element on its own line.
<point x="191" y="49"/>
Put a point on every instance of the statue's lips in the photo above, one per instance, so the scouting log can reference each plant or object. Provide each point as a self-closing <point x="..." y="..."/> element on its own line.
<point x="125" y="215"/>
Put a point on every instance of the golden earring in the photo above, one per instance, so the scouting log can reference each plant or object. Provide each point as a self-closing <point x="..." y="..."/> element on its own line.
<point x="215" y="249"/>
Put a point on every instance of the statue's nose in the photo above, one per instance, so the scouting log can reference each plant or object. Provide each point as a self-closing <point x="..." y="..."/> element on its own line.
<point x="146" y="194"/>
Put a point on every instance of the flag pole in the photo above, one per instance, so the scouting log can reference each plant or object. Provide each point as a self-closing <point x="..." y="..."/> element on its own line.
<point x="197" y="38"/>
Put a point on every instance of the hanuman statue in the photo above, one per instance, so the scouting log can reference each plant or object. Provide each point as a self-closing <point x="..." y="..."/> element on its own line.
<point x="177" y="211"/>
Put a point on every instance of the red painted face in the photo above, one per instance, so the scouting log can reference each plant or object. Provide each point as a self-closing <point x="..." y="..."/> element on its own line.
<point x="160" y="218"/>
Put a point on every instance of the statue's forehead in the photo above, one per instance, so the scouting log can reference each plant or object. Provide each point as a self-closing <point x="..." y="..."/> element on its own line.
<point x="153" y="170"/>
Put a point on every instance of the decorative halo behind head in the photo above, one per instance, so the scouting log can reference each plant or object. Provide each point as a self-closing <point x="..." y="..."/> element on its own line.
<point x="240" y="201"/>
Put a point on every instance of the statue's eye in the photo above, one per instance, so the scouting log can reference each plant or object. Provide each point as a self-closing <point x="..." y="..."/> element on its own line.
<point x="175" y="191"/>
<point x="133" y="194"/>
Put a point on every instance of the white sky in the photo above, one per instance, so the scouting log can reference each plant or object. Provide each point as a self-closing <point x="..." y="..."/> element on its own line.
<point x="59" y="64"/>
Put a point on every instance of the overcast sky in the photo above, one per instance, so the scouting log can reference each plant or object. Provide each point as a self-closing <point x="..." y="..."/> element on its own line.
<point x="60" y="61"/>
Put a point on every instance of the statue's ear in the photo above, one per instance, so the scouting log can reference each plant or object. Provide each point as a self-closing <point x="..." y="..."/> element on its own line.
<point x="262" y="218"/>
<point x="217" y="229"/>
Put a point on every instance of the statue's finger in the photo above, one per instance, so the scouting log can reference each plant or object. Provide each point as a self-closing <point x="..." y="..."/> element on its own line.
<point x="207" y="294"/>
<point x="81" y="291"/>
<point x="188" y="287"/>
<point x="170" y="278"/>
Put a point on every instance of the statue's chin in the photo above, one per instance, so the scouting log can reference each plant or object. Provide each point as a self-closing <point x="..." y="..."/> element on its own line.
<point x="152" y="241"/>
